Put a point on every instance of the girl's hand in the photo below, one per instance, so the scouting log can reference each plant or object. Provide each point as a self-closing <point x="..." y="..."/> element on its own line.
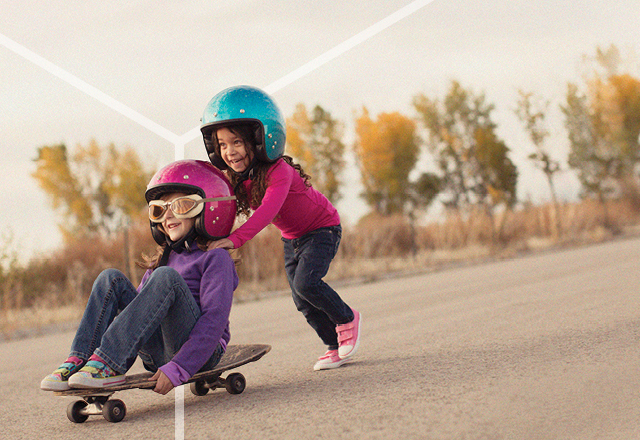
<point x="164" y="385"/>
<point x="225" y="243"/>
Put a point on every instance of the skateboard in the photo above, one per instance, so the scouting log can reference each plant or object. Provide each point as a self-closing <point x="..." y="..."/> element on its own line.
<point x="96" y="401"/>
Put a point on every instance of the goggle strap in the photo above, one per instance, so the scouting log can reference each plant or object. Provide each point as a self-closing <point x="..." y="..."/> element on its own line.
<point x="217" y="199"/>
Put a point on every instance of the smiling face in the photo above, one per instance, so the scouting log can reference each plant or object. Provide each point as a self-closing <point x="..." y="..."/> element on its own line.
<point x="234" y="150"/>
<point x="175" y="228"/>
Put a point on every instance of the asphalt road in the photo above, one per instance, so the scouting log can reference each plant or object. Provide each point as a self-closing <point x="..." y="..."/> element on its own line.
<point x="540" y="347"/>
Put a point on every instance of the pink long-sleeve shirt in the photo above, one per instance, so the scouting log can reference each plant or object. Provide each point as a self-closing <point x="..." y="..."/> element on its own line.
<point x="294" y="208"/>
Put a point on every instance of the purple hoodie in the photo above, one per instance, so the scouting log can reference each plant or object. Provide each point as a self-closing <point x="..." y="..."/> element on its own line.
<point x="212" y="278"/>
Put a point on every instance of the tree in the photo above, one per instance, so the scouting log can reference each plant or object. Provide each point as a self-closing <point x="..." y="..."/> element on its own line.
<point x="96" y="189"/>
<point x="603" y="123"/>
<point x="472" y="160"/>
<point x="387" y="151"/>
<point x="316" y="143"/>
<point x="532" y="112"/>
<point x="497" y="173"/>
<point x="424" y="190"/>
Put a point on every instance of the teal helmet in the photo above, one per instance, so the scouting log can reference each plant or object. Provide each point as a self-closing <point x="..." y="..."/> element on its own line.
<point x="240" y="105"/>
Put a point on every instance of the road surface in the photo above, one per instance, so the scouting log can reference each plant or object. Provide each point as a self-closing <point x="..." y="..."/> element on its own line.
<point x="544" y="346"/>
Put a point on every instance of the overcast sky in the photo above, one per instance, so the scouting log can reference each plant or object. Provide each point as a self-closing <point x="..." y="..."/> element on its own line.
<point x="165" y="60"/>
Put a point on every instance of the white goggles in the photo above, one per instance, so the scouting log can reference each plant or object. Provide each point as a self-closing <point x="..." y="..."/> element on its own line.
<point x="182" y="207"/>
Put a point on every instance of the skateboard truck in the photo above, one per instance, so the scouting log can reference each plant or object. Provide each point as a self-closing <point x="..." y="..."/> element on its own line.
<point x="235" y="383"/>
<point x="112" y="410"/>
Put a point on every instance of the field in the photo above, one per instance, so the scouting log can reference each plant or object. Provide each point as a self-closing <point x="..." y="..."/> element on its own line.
<point x="50" y="292"/>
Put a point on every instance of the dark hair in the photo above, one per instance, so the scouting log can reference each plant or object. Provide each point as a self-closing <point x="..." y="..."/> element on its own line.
<point x="258" y="176"/>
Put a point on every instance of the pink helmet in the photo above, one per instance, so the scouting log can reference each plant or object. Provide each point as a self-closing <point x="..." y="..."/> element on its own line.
<point x="203" y="179"/>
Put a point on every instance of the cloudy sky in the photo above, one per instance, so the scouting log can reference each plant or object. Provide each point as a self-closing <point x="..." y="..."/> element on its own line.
<point x="160" y="62"/>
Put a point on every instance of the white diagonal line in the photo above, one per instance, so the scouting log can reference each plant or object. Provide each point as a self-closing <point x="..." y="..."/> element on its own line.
<point x="89" y="89"/>
<point x="346" y="45"/>
<point x="179" y="413"/>
<point x="330" y="55"/>
<point x="181" y="141"/>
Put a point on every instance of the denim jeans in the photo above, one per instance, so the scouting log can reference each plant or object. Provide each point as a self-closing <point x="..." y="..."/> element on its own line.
<point x="306" y="261"/>
<point x="119" y="323"/>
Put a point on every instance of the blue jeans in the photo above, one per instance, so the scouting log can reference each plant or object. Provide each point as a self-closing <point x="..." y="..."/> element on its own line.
<point x="306" y="261"/>
<point x="120" y="323"/>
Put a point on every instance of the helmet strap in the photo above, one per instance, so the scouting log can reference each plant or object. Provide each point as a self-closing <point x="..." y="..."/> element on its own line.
<point x="165" y="256"/>
<point x="184" y="243"/>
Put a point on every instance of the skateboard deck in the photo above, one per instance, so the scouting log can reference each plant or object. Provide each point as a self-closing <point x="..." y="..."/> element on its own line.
<point x="97" y="401"/>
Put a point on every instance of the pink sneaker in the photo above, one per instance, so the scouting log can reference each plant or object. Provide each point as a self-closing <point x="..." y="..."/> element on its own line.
<point x="329" y="360"/>
<point x="349" y="336"/>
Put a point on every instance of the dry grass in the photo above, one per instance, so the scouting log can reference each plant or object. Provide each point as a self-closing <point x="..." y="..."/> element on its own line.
<point x="35" y="320"/>
<point x="52" y="291"/>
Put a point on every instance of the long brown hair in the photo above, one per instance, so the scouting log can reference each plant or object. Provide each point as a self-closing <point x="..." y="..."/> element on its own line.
<point x="258" y="174"/>
<point x="153" y="261"/>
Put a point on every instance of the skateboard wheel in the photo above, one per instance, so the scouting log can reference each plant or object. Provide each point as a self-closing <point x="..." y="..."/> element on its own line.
<point x="235" y="383"/>
<point x="114" y="410"/>
<point x="74" y="411"/>
<point x="199" y="388"/>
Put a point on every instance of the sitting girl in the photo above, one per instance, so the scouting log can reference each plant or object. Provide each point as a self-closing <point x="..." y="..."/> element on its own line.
<point x="177" y="320"/>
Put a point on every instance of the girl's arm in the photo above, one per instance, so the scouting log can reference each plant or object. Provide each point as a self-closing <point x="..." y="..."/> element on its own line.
<point x="279" y="183"/>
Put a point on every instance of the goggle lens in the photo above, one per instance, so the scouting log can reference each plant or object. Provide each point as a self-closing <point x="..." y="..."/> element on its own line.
<point x="156" y="212"/>
<point x="180" y="207"/>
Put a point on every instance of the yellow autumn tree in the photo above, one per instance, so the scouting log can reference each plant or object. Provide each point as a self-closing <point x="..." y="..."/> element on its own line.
<point x="315" y="141"/>
<point x="602" y="117"/>
<point x="387" y="150"/>
<point x="95" y="189"/>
